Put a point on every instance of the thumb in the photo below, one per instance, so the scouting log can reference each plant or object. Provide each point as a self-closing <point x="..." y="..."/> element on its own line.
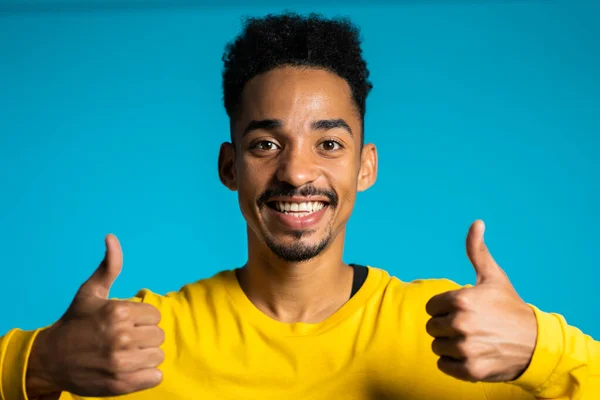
<point x="99" y="284"/>
<point x="486" y="269"/>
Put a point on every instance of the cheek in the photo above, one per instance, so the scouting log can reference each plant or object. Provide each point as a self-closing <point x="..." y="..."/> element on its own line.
<point x="251" y="183"/>
<point x="247" y="201"/>
<point x="346" y="181"/>
<point x="349" y="198"/>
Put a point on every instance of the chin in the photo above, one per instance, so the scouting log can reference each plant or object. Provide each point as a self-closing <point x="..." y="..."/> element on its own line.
<point x="298" y="250"/>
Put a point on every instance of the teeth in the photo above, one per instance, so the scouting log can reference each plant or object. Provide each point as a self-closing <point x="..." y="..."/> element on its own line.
<point x="299" y="209"/>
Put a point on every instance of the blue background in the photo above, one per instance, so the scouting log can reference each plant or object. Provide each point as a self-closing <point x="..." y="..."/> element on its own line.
<point x="111" y="120"/>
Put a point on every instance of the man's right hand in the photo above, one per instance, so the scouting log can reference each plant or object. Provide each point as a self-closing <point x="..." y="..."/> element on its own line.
<point x="99" y="347"/>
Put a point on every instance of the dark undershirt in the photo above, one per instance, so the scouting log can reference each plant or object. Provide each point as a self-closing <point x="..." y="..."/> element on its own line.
<point x="360" y="276"/>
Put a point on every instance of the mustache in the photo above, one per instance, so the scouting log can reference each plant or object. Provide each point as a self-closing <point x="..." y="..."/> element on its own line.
<point x="286" y="190"/>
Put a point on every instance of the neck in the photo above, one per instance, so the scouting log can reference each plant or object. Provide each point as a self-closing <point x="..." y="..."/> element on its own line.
<point x="309" y="291"/>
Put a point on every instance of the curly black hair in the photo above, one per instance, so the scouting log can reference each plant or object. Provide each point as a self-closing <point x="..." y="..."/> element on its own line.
<point x="290" y="39"/>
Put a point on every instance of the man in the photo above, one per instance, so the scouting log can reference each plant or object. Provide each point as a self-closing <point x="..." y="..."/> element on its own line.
<point x="296" y="322"/>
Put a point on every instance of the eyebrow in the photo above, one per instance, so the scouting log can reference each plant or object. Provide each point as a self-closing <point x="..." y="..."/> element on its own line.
<point x="266" y="124"/>
<point x="322" y="124"/>
<point x="326" y="124"/>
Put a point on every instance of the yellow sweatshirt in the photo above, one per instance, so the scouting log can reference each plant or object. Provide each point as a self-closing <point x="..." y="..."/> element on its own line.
<point x="220" y="347"/>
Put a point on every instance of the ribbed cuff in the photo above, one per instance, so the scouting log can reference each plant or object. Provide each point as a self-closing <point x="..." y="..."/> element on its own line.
<point x="14" y="356"/>
<point x="548" y="352"/>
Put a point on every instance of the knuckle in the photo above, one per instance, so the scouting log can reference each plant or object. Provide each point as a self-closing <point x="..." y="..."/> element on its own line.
<point x="160" y="356"/>
<point x="463" y="349"/>
<point x="149" y="311"/>
<point x="476" y="370"/>
<point x="463" y="300"/>
<point x="435" y="347"/>
<point x="117" y="311"/>
<point x="117" y="386"/>
<point x="430" y="326"/>
<point x="120" y="340"/>
<point x="429" y="306"/>
<point x="157" y="314"/>
<point x="116" y="363"/>
<point x="161" y="336"/>
<point x="155" y="358"/>
<point x="462" y="324"/>
<point x="477" y="349"/>
<point x="101" y="325"/>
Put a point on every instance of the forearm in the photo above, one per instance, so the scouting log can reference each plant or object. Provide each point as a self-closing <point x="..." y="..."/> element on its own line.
<point x="565" y="364"/>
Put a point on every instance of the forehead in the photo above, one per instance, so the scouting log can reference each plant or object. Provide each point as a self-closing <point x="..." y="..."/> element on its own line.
<point x="297" y="95"/>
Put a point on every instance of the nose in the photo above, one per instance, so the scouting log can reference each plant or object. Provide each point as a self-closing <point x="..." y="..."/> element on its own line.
<point x="297" y="166"/>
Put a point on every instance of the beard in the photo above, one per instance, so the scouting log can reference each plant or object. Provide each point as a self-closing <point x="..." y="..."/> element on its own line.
<point x="297" y="251"/>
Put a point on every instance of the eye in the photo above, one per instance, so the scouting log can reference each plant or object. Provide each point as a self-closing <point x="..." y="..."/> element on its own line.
<point x="330" y="145"/>
<point x="264" y="145"/>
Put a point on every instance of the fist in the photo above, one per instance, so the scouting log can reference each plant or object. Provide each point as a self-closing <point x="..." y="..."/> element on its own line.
<point x="101" y="347"/>
<point x="484" y="332"/>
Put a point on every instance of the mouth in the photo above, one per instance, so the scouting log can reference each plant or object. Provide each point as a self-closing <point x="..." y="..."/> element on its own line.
<point x="296" y="213"/>
<point x="297" y="208"/>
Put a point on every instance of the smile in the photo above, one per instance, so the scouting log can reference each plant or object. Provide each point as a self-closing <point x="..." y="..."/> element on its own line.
<point x="297" y="213"/>
<point x="300" y="209"/>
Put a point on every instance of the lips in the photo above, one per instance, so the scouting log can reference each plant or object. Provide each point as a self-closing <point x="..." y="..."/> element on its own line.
<point x="297" y="213"/>
<point x="304" y="207"/>
<point x="298" y="220"/>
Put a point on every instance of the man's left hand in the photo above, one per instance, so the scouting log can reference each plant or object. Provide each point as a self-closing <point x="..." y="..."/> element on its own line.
<point x="484" y="332"/>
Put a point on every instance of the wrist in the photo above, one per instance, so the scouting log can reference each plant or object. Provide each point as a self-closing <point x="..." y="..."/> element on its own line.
<point x="548" y="352"/>
<point x="38" y="378"/>
<point x="528" y="339"/>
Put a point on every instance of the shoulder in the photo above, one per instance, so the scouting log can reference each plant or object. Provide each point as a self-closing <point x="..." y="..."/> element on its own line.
<point x="401" y="307"/>
<point x="432" y="286"/>
<point x="415" y="291"/>
<point x="190" y="295"/>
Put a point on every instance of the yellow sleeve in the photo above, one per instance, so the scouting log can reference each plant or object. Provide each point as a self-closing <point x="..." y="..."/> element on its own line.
<point x="565" y="365"/>
<point x="15" y="349"/>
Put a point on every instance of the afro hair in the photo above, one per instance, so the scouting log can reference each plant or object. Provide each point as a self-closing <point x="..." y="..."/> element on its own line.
<point x="290" y="39"/>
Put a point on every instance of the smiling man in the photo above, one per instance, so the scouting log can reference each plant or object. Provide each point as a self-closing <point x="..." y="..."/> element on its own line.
<point x="296" y="321"/>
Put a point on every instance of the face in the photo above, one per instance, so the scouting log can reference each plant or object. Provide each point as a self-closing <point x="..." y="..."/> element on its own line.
<point x="296" y="160"/>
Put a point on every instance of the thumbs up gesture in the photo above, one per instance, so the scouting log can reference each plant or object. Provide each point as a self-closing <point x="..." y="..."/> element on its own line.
<point x="99" y="347"/>
<point x="484" y="332"/>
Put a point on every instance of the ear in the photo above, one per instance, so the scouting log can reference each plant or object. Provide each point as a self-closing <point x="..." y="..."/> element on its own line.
<point x="368" y="167"/>
<point x="227" y="171"/>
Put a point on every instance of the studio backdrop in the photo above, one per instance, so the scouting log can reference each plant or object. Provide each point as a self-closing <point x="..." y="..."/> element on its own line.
<point x="111" y="118"/>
